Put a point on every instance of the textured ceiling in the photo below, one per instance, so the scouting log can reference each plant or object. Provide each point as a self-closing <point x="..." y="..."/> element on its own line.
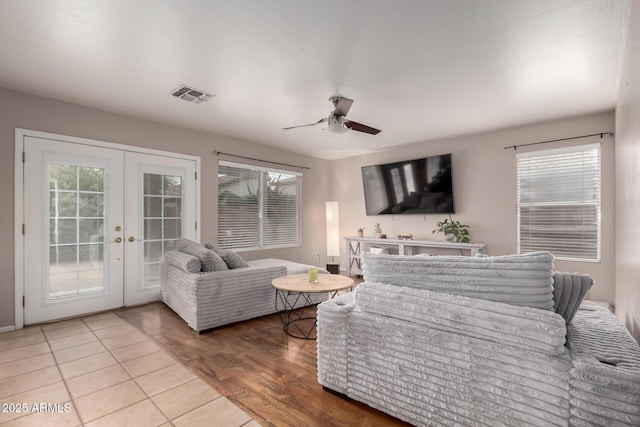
<point x="417" y="70"/>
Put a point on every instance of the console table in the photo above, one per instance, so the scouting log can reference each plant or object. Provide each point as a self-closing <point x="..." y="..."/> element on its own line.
<point x="405" y="247"/>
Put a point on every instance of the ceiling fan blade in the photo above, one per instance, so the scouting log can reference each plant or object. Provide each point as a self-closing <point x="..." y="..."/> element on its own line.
<point x="310" y="124"/>
<point x="360" y="127"/>
<point x="342" y="106"/>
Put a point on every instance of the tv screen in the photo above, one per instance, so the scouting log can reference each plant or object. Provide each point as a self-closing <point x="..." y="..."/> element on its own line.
<point x="420" y="186"/>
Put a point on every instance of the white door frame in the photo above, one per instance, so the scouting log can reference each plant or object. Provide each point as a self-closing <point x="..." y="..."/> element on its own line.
<point x="20" y="135"/>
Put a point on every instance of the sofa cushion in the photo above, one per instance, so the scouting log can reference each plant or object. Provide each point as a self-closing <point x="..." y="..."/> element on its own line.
<point x="209" y="259"/>
<point x="568" y="292"/>
<point x="524" y="280"/>
<point x="185" y="262"/>
<point x="232" y="259"/>
<point x="523" y="327"/>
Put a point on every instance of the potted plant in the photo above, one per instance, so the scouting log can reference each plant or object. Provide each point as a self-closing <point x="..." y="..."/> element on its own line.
<point x="378" y="229"/>
<point x="453" y="230"/>
<point x="361" y="232"/>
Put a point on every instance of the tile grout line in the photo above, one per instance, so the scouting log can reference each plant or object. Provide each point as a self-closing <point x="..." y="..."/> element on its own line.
<point x="113" y="385"/>
<point x="247" y="411"/>
<point x="150" y="398"/>
<point x="25" y="373"/>
<point x="64" y="382"/>
<point x="119" y="363"/>
<point x="131" y="377"/>
<point x="220" y="395"/>
<point x="26" y="414"/>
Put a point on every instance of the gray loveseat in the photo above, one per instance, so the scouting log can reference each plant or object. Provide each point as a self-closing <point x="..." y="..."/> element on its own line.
<point x="209" y="299"/>
<point x="429" y="349"/>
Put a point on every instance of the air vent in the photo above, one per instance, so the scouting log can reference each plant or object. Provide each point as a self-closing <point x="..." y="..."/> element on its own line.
<point x="190" y="94"/>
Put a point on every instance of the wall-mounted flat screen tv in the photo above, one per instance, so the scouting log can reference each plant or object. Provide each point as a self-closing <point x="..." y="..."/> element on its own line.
<point x="421" y="186"/>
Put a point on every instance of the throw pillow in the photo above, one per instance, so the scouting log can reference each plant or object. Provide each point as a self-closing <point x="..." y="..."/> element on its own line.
<point x="232" y="259"/>
<point x="183" y="261"/>
<point x="568" y="292"/>
<point x="209" y="259"/>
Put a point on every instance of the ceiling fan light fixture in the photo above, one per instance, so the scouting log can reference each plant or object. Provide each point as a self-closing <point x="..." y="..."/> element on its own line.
<point x="336" y="126"/>
<point x="337" y="123"/>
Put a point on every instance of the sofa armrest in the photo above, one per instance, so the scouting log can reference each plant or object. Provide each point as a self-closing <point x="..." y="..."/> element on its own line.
<point x="522" y="327"/>
<point x="332" y="333"/>
<point x="605" y="378"/>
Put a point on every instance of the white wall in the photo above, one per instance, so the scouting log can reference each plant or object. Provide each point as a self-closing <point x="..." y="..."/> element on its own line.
<point x="628" y="181"/>
<point x="484" y="177"/>
<point x="19" y="110"/>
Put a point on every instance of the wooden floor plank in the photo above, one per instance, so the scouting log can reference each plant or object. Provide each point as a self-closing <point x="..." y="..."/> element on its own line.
<point x="267" y="373"/>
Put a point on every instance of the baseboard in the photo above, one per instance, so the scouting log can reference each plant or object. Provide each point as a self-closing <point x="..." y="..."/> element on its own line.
<point x="7" y="329"/>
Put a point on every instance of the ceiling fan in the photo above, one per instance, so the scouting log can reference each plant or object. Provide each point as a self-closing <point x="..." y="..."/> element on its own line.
<point x="337" y="121"/>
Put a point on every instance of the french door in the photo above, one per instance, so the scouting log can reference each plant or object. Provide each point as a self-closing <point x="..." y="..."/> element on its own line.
<point x="97" y="222"/>
<point x="160" y="200"/>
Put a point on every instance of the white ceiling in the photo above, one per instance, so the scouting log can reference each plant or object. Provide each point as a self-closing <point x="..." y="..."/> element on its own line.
<point x="417" y="69"/>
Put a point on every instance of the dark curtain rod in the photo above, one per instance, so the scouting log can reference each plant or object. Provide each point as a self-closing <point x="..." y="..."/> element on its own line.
<point x="217" y="153"/>
<point x="602" y="134"/>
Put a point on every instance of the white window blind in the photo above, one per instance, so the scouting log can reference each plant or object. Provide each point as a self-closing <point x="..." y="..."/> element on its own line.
<point x="257" y="207"/>
<point x="558" y="199"/>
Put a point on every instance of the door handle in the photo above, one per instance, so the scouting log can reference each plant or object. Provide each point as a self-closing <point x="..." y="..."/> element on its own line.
<point x="132" y="239"/>
<point x="117" y="240"/>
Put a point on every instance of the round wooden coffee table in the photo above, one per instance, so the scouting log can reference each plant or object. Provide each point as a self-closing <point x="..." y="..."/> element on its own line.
<point x="294" y="294"/>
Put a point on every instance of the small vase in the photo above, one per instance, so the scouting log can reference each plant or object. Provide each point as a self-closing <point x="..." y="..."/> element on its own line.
<point x="449" y="237"/>
<point x="360" y="233"/>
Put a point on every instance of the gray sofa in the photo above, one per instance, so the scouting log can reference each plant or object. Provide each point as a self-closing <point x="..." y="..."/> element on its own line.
<point x="207" y="300"/>
<point x="429" y="349"/>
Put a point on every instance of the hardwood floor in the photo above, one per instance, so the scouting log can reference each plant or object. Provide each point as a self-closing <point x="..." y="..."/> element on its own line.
<point x="258" y="367"/>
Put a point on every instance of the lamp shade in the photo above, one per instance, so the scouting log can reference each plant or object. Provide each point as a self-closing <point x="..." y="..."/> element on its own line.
<point x="333" y="229"/>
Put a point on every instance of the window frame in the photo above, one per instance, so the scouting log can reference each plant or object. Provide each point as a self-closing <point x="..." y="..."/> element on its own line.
<point x="598" y="204"/>
<point x="262" y="206"/>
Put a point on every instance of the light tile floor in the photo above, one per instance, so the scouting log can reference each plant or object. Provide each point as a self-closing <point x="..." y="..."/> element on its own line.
<point x="101" y="371"/>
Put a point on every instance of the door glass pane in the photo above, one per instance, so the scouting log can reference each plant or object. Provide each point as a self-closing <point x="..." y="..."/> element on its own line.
<point x="152" y="184"/>
<point x="76" y="230"/>
<point x="152" y="252"/>
<point x="172" y="185"/>
<point x="172" y="228"/>
<point x="91" y="205"/>
<point x="163" y="221"/>
<point x="63" y="177"/>
<point x="63" y="203"/>
<point x="172" y="207"/>
<point x="90" y="230"/>
<point x="91" y="179"/>
<point x="152" y="206"/>
<point x="152" y="229"/>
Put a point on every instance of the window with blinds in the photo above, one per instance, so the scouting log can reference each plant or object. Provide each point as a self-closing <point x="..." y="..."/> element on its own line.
<point x="258" y="208"/>
<point x="558" y="200"/>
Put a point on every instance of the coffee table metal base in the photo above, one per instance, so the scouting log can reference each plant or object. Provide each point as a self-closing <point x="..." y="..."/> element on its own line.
<point x="294" y="297"/>
<point x="293" y="318"/>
